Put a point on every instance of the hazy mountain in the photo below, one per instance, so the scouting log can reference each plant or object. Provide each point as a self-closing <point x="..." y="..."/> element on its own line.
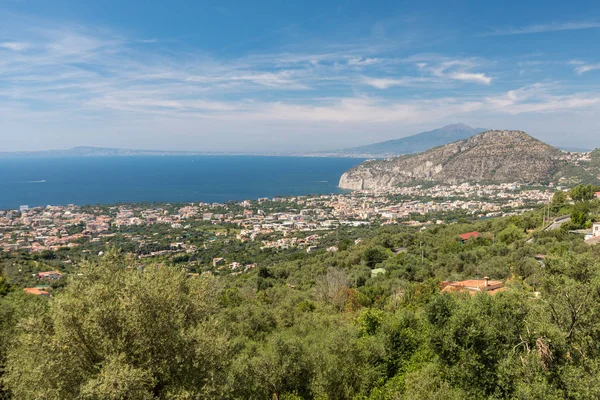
<point x="416" y="143"/>
<point x="83" y="151"/>
<point x="492" y="156"/>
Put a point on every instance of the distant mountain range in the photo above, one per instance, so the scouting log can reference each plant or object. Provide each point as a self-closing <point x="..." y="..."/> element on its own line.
<point x="83" y="151"/>
<point x="489" y="157"/>
<point x="415" y="143"/>
<point x="391" y="148"/>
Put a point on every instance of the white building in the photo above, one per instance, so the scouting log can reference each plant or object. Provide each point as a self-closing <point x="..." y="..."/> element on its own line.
<point x="596" y="229"/>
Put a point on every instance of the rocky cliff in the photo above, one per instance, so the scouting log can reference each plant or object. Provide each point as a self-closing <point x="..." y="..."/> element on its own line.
<point x="492" y="156"/>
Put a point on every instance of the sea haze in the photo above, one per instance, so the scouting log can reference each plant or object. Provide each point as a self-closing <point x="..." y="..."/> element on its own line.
<point x="95" y="180"/>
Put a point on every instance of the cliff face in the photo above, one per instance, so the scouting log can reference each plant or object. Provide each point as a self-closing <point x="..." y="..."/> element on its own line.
<point x="492" y="156"/>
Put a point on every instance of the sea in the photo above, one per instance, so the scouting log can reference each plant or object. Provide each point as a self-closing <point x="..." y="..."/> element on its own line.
<point x="36" y="181"/>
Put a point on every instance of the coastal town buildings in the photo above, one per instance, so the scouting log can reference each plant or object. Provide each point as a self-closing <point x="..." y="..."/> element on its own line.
<point x="280" y="223"/>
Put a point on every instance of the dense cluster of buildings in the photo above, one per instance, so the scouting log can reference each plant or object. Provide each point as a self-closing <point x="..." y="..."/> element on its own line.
<point x="278" y="223"/>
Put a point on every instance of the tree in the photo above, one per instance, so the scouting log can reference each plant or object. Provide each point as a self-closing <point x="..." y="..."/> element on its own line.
<point x="119" y="332"/>
<point x="374" y="255"/>
<point x="14" y="307"/>
<point x="579" y="215"/>
<point x="510" y="234"/>
<point x="332" y="288"/>
<point x="4" y="285"/>
<point x="559" y="200"/>
<point x="582" y="193"/>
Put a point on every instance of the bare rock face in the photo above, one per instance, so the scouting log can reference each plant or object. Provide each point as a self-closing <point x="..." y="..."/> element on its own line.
<point x="492" y="156"/>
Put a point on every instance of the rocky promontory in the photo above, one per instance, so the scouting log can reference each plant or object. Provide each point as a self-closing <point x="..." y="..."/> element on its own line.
<point x="495" y="156"/>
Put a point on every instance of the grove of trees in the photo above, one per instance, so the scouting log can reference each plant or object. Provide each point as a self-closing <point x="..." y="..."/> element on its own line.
<point x="322" y="326"/>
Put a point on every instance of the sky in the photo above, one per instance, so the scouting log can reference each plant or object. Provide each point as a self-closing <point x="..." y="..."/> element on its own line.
<point x="293" y="76"/>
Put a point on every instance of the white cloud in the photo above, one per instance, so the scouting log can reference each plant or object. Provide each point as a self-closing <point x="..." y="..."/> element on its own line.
<point x="382" y="83"/>
<point x="282" y="79"/>
<point x="77" y="77"/>
<point x="587" y="68"/>
<point x="14" y="46"/>
<point x="551" y="27"/>
<point x="459" y="70"/>
<point x="386" y="83"/>
<point x="471" y="77"/>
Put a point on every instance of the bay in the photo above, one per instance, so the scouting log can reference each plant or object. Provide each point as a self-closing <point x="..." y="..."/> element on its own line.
<point x="103" y="180"/>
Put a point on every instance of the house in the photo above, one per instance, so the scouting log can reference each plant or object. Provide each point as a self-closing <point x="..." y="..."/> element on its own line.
<point x="51" y="275"/>
<point x="37" y="291"/>
<point x="474" y="286"/>
<point x="467" y="236"/>
<point x="311" y="249"/>
<point x="597" y="195"/>
<point x="594" y="237"/>
<point x="596" y="229"/>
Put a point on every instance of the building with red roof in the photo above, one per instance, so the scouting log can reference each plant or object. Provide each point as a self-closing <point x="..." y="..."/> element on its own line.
<point x="36" y="291"/>
<point x="469" y="235"/>
<point x="474" y="286"/>
<point x="51" y="275"/>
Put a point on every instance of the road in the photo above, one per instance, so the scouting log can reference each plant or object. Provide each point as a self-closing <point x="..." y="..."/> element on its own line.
<point x="558" y="222"/>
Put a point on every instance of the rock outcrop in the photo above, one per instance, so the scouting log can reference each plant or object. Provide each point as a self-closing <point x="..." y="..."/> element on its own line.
<point x="492" y="156"/>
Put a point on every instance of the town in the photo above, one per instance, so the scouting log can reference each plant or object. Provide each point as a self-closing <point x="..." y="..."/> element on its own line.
<point x="301" y="222"/>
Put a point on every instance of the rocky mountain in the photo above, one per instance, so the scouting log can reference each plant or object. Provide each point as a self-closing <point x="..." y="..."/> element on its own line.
<point x="416" y="143"/>
<point x="492" y="156"/>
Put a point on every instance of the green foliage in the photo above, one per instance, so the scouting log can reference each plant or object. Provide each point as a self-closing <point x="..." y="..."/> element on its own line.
<point x="510" y="234"/>
<point x="583" y="192"/>
<point x="4" y="285"/>
<point x="118" y="380"/>
<point x="319" y="326"/>
<point x="369" y="321"/>
<point x="116" y="332"/>
<point x="374" y="255"/>
<point x="559" y="200"/>
<point x="579" y="215"/>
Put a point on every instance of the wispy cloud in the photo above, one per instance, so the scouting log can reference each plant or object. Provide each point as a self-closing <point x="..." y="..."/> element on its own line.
<point x="471" y="77"/>
<point x="550" y="27"/>
<point x="382" y="83"/>
<point x="386" y="83"/>
<point x="14" y="46"/>
<point x="583" y="68"/>
<point x="459" y="70"/>
<point x="68" y="78"/>
<point x="363" y="61"/>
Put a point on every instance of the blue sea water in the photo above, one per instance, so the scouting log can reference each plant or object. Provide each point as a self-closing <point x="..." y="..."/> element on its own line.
<point x="96" y="180"/>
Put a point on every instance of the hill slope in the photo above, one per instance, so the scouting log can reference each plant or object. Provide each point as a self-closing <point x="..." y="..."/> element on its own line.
<point x="416" y="143"/>
<point x="492" y="156"/>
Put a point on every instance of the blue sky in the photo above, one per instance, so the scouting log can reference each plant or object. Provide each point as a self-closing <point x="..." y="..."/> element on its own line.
<point x="293" y="76"/>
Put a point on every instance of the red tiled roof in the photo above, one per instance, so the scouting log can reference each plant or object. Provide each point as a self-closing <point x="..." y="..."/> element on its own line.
<point x="469" y="235"/>
<point x="47" y="273"/>
<point x="473" y="286"/>
<point x="36" y="291"/>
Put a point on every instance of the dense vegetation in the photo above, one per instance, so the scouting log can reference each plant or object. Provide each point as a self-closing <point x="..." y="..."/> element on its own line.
<point x="324" y="326"/>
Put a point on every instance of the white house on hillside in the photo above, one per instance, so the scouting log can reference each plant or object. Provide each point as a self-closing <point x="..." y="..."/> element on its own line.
<point x="596" y="229"/>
